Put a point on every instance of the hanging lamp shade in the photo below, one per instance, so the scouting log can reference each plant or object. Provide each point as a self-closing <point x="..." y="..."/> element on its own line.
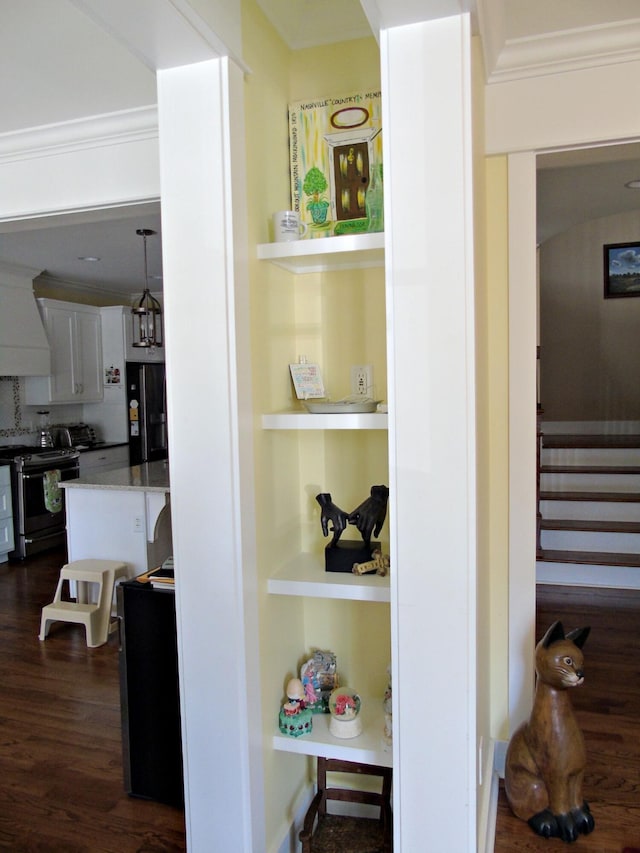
<point x="146" y="314"/>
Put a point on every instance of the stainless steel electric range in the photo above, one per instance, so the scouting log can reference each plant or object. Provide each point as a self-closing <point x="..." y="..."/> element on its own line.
<point x="39" y="518"/>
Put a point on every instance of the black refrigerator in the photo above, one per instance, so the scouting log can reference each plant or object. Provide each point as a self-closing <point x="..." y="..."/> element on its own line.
<point x="146" y="412"/>
<point x="149" y="693"/>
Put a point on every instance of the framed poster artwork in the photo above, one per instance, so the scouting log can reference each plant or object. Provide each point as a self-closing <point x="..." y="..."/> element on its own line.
<point x="335" y="152"/>
<point x="621" y="270"/>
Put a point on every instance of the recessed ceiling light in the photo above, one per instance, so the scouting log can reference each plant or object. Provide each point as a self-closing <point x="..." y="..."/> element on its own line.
<point x="633" y="185"/>
<point x="89" y="259"/>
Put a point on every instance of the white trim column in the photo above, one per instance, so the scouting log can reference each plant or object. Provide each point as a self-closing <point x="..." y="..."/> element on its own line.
<point x="426" y="84"/>
<point x="522" y="434"/>
<point x="211" y="463"/>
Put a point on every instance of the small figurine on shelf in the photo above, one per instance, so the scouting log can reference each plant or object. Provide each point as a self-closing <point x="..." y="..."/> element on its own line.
<point x="319" y="677"/>
<point x="344" y="705"/>
<point x="379" y="563"/>
<point x="295" y="718"/>
<point x="368" y="517"/>
<point x="334" y="515"/>
<point x="387" y="736"/>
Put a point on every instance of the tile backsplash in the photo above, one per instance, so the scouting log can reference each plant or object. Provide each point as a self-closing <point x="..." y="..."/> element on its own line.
<point x="18" y="422"/>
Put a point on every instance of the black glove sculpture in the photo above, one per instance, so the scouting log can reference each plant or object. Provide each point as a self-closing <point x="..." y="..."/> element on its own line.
<point x="332" y="513"/>
<point x="370" y="515"/>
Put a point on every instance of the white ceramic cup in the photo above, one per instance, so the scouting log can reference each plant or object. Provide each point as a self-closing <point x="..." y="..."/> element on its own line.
<point x="287" y="226"/>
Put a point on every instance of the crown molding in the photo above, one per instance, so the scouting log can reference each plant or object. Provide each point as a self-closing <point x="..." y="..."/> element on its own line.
<point x="48" y="285"/>
<point x="115" y="128"/>
<point x="567" y="50"/>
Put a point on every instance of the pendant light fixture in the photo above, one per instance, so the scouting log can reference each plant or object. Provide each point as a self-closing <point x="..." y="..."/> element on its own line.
<point x="146" y="313"/>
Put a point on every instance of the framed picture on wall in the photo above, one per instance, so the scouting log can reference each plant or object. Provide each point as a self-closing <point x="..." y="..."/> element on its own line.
<point x="621" y="270"/>
<point x="335" y="154"/>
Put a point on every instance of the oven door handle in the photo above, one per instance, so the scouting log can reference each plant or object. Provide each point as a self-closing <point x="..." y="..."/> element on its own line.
<point x="40" y="476"/>
<point x="42" y="538"/>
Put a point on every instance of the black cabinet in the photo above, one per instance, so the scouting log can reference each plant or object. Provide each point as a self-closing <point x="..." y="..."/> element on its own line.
<point x="149" y="693"/>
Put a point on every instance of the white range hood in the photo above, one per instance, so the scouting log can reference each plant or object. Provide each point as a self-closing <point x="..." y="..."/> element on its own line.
<point x="24" y="348"/>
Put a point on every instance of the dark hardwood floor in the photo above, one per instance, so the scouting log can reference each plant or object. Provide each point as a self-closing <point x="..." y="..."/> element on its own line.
<point x="608" y="709"/>
<point x="61" y="783"/>
<point x="61" y="788"/>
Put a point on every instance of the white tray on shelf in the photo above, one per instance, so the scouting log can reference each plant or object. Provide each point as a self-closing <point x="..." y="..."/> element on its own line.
<point x="367" y="748"/>
<point x="341" y="407"/>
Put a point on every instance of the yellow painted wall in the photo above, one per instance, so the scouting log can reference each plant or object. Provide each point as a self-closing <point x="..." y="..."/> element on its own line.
<point x="336" y="319"/>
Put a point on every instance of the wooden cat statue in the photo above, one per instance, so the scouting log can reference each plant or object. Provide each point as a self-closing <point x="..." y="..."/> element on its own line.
<point x="546" y="756"/>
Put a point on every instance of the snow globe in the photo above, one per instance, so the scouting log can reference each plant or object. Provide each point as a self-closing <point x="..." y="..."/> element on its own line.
<point x="344" y="707"/>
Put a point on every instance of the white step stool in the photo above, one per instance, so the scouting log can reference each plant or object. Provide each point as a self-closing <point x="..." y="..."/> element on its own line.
<point x="92" y="611"/>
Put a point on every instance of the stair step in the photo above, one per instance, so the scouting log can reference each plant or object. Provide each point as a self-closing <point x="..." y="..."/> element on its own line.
<point x="590" y="456"/>
<point x="590" y="481"/>
<point x="603" y="511"/>
<point x="590" y="469"/>
<point x="594" y="525"/>
<point x="622" y="497"/>
<point x="594" y="558"/>
<point x="576" y="440"/>
<point x="576" y="538"/>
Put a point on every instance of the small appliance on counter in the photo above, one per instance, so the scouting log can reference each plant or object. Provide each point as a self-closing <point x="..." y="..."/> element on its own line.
<point x="80" y="436"/>
<point x="45" y="438"/>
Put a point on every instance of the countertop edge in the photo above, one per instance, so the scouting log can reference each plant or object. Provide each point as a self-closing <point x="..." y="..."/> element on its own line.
<point x="147" y="477"/>
<point x="112" y="487"/>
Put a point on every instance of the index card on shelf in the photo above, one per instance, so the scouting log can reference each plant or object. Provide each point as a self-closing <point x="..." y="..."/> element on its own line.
<point x="307" y="380"/>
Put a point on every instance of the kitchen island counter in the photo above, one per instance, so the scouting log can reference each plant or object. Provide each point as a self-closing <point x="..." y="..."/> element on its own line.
<point x="120" y="514"/>
<point x="147" y="477"/>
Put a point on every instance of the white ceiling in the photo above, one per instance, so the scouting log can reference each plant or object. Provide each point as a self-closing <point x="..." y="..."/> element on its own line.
<point x="56" y="249"/>
<point x="573" y="186"/>
<point x="578" y="186"/>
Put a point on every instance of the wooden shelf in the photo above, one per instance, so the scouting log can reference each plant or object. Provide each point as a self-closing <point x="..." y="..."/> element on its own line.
<point x="305" y="420"/>
<point x="367" y="748"/>
<point x="305" y="575"/>
<point x="349" y="251"/>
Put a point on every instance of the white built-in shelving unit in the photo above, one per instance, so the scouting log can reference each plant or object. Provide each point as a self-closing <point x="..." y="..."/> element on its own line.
<point x="305" y="575"/>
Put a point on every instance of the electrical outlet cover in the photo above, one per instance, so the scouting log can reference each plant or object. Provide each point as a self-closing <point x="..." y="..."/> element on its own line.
<point x="362" y="380"/>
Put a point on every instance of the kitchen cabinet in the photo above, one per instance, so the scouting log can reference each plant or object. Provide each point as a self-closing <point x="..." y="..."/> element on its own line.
<point x="303" y="575"/>
<point x="75" y="337"/>
<point x="6" y="514"/>
<point x="104" y="459"/>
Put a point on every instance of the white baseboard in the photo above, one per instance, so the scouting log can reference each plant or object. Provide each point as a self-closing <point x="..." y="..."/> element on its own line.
<point x="289" y="835"/>
<point x="488" y="805"/>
